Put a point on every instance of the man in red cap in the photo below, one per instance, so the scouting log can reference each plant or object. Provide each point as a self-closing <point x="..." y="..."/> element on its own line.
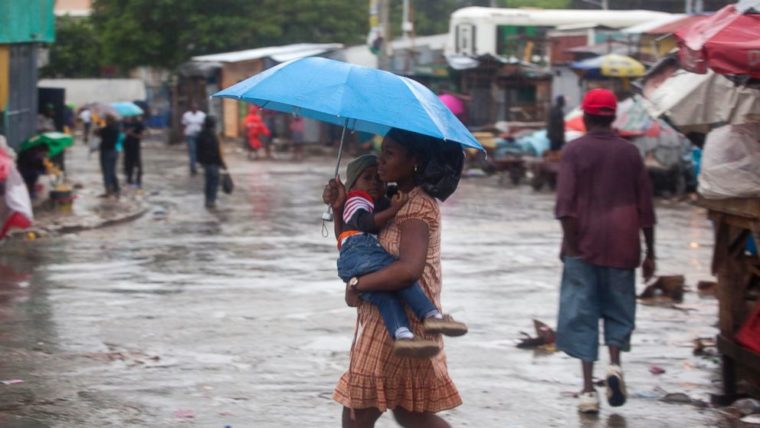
<point x="604" y="200"/>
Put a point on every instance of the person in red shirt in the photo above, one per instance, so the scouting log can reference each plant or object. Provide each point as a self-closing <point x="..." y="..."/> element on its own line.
<point x="604" y="202"/>
<point x="254" y="129"/>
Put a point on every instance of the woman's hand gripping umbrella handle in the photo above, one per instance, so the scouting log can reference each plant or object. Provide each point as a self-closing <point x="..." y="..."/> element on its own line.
<point x="328" y="214"/>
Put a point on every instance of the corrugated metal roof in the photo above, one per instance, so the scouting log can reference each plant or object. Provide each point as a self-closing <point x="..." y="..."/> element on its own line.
<point x="277" y="53"/>
<point x="674" y="26"/>
<point x="646" y="26"/>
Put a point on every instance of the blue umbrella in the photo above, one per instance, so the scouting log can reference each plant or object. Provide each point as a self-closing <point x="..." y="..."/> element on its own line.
<point x="358" y="98"/>
<point x="127" y="109"/>
<point x="354" y="97"/>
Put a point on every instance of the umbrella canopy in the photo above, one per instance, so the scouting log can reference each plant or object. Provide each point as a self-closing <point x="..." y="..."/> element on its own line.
<point x="453" y="103"/>
<point x="610" y="65"/>
<point x="127" y="109"/>
<point x="728" y="42"/>
<point x="55" y="141"/>
<point x="103" y="109"/>
<point x="358" y="98"/>
<point x="720" y="100"/>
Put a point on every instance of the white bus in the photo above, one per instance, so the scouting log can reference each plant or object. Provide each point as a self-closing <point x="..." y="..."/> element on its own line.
<point x="475" y="31"/>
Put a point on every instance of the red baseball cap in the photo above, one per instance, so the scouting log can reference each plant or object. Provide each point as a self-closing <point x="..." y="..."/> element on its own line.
<point x="599" y="102"/>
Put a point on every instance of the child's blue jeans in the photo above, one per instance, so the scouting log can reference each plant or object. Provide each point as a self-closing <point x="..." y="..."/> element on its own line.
<point x="362" y="254"/>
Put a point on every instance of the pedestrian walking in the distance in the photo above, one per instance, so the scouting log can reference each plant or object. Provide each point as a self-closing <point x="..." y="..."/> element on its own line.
<point x="133" y="169"/>
<point x="604" y="202"/>
<point x="192" y="120"/>
<point x="109" y="155"/>
<point x="210" y="157"/>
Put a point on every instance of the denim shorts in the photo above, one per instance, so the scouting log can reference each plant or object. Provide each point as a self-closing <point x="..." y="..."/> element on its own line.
<point x="587" y="294"/>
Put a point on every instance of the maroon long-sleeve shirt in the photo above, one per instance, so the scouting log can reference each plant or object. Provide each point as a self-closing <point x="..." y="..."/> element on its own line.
<point x="603" y="184"/>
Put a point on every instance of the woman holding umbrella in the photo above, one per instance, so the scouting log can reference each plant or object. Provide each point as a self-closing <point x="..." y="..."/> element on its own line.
<point x="414" y="389"/>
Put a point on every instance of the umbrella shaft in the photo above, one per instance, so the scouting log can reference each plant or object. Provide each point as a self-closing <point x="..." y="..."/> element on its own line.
<point x="340" y="149"/>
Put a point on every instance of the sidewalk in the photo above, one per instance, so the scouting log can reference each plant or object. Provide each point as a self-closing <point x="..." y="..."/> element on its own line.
<point x="89" y="210"/>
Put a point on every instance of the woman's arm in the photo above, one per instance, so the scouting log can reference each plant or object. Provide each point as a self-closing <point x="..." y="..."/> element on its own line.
<point x="415" y="236"/>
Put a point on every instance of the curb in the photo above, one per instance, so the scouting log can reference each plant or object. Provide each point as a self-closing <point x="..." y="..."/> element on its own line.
<point x="42" y="231"/>
<point x="106" y="223"/>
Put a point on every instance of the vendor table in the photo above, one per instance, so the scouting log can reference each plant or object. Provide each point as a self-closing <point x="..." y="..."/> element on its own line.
<point x="735" y="220"/>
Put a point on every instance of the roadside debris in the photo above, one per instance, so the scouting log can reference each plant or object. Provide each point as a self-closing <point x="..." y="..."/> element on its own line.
<point x="184" y="414"/>
<point x="705" y="347"/>
<point x="745" y="407"/>
<point x="668" y="287"/>
<point x="11" y="381"/>
<point x="656" y="370"/>
<point x="681" y="398"/>
<point x="544" y="336"/>
<point x="707" y="288"/>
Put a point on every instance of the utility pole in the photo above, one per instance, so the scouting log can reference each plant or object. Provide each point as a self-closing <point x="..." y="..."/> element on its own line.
<point x="687" y="7"/>
<point x="407" y="28"/>
<point x="406" y="22"/>
<point x="605" y="4"/>
<point x="383" y="57"/>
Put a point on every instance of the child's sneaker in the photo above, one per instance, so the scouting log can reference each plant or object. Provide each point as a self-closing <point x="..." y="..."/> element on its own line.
<point x="616" y="393"/>
<point x="415" y="347"/>
<point x="446" y="326"/>
<point x="588" y="402"/>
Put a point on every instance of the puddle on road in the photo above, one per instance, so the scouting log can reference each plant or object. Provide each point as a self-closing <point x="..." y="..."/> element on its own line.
<point x="246" y="313"/>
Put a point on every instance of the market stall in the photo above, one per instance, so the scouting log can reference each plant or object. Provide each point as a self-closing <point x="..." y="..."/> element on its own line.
<point x="730" y="189"/>
<point x="736" y="221"/>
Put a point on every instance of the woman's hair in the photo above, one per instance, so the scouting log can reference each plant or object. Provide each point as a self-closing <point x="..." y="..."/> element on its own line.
<point x="439" y="163"/>
<point x="209" y="122"/>
<point x="208" y="131"/>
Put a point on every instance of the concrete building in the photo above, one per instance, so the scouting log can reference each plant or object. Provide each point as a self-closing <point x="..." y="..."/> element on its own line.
<point x="204" y="75"/>
<point x="24" y="25"/>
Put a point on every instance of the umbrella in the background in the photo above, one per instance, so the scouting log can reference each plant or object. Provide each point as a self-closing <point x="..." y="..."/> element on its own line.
<point x="453" y="103"/>
<point x="727" y="42"/>
<point x="103" y="110"/>
<point x="610" y="65"/>
<point x="56" y="142"/>
<point x="127" y="109"/>
<point x="354" y="97"/>
<point x="357" y="98"/>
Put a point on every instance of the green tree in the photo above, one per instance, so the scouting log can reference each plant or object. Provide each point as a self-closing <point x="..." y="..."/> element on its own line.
<point x="166" y="33"/>
<point x="76" y="52"/>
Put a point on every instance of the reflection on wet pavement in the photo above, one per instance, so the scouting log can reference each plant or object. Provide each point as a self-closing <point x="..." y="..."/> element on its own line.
<point x="236" y="317"/>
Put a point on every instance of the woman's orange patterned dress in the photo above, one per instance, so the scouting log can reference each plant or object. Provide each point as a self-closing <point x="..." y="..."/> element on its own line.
<point x="379" y="379"/>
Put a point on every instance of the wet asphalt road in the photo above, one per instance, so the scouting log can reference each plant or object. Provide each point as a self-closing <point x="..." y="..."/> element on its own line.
<point x="193" y="318"/>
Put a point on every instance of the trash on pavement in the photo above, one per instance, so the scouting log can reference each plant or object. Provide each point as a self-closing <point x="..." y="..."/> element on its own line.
<point x="667" y="286"/>
<point x="656" y="370"/>
<point x="705" y="346"/>
<point x="184" y="414"/>
<point x="707" y="288"/>
<point x="746" y="406"/>
<point x="545" y="336"/>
